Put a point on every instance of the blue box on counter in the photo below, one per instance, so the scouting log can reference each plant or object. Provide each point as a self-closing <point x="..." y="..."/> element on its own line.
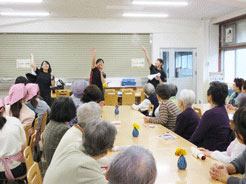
<point x="128" y="82"/>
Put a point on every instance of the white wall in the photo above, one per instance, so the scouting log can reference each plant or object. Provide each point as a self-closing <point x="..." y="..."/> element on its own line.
<point x="166" y="34"/>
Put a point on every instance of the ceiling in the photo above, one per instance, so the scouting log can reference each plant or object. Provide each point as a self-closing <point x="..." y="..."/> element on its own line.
<point x="113" y="9"/>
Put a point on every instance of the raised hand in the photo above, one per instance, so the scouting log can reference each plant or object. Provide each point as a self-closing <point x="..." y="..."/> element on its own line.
<point x="32" y="59"/>
<point x="144" y="49"/>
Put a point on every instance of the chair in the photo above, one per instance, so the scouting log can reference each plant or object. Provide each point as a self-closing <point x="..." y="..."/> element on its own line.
<point x="151" y="109"/>
<point x="63" y="92"/>
<point x="33" y="139"/>
<point x="141" y="91"/>
<point x="198" y="111"/>
<point x="128" y="97"/>
<point x="28" y="157"/>
<point x="111" y="97"/>
<point x="26" y="129"/>
<point x="34" y="175"/>
<point x="43" y="123"/>
<point x="35" y="124"/>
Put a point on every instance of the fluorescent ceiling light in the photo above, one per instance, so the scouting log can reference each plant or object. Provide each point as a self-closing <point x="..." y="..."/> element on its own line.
<point x="152" y="15"/>
<point x="25" y="14"/>
<point x="161" y="3"/>
<point x="21" y="1"/>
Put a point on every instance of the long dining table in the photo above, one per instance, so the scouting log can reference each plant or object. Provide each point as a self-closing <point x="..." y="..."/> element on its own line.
<point x="197" y="171"/>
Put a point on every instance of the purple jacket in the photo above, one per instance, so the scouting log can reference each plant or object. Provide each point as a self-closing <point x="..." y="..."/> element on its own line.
<point x="213" y="131"/>
<point x="186" y="123"/>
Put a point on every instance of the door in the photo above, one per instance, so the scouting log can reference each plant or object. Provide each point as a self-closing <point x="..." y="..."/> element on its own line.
<point x="180" y="67"/>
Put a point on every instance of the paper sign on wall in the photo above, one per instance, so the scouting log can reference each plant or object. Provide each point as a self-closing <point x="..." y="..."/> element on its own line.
<point x="216" y="76"/>
<point x="23" y="63"/>
<point x="138" y="63"/>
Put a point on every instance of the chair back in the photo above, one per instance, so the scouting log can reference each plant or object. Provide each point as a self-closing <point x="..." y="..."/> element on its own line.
<point x="36" y="123"/>
<point x="33" y="139"/>
<point x="110" y="97"/>
<point x="26" y="129"/>
<point x="198" y="111"/>
<point x="34" y="175"/>
<point x="142" y="95"/>
<point x="128" y="97"/>
<point x="28" y="157"/>
<point x="43" y="123"/>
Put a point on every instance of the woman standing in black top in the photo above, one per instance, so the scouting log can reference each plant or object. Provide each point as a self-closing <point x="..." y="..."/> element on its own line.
<point x="158" y="68"/>
<point x="44" y="79"/>
<point x="97" y="75"/>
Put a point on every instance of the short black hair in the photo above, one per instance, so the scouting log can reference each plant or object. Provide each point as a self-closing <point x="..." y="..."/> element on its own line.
<point x="98" y="60"/>
<point x="91" y="94"/>
<point x="63" y="110"/>
<point x="173" y="89"/>
<point x="239" y="82"/>
<point x="99" y="137"/>
<point x="160" y="60"/>
<point x="219" y="92"/>
<point x="244" y="85"/>
<point x="239" y="121"/>
<point x="49" y="70"/>
<point x="21" y="80"/>
<point x="163" y="91"/>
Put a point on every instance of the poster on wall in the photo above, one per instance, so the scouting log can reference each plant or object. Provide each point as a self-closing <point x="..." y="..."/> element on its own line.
<point x="230" y="34"/>
<point x="23" y="63"/>
<point x="138" y="63"/>
<point x="216" y="76"/>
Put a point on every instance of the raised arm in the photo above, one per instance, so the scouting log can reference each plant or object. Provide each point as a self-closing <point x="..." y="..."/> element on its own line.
<point x="147" y="56"/>
<point x="102" y="78"/>
<point x="33" y="65"/>
<point x="93" y="58"/>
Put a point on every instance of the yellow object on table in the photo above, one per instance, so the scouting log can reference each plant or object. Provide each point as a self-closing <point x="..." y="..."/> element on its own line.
<point x="163" y="150"/>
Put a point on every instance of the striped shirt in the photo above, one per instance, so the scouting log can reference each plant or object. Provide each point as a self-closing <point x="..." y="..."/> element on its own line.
<point x="168" y="115"/>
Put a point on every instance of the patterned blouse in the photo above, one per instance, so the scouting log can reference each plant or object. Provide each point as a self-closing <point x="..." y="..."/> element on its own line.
<point x="168" y="115"/>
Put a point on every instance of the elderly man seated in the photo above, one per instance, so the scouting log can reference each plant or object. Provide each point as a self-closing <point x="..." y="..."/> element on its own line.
<point x="81" y="167"/>
<point x="135" y="165"/>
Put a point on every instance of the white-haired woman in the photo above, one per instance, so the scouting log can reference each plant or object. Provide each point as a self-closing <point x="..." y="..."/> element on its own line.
<point x="143" y="107"/>
<point x="188" y="120"/>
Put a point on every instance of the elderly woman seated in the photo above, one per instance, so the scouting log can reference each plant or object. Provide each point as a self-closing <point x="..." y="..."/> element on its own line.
<point x="168" y="110"/>
<point x="143" y="107"/>
<point x="213" y="131"/>
<point x="188" y="120"/>
<point x="123" y="170"/>
<point x="63" y="110"/>
<point x="81" y="166"/>
<point x="78" y="88"/>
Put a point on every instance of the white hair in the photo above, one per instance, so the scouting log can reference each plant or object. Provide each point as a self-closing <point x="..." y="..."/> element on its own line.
<point x="187" y="97"/>
<point x="135" y="165"/>
<point x="149" y="89"/>
<point x="87" y="113"/>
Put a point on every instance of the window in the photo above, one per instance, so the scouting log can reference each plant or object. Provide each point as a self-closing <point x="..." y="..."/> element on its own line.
<point x="234" y="64"/>
<point x="229" y="66"/>
<point x="241" y="31"/>
<point x="241" y="63"/>
<point x="166" y="63"/>
<point x="183" y="64"/>
<point x="233" y="49"/>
